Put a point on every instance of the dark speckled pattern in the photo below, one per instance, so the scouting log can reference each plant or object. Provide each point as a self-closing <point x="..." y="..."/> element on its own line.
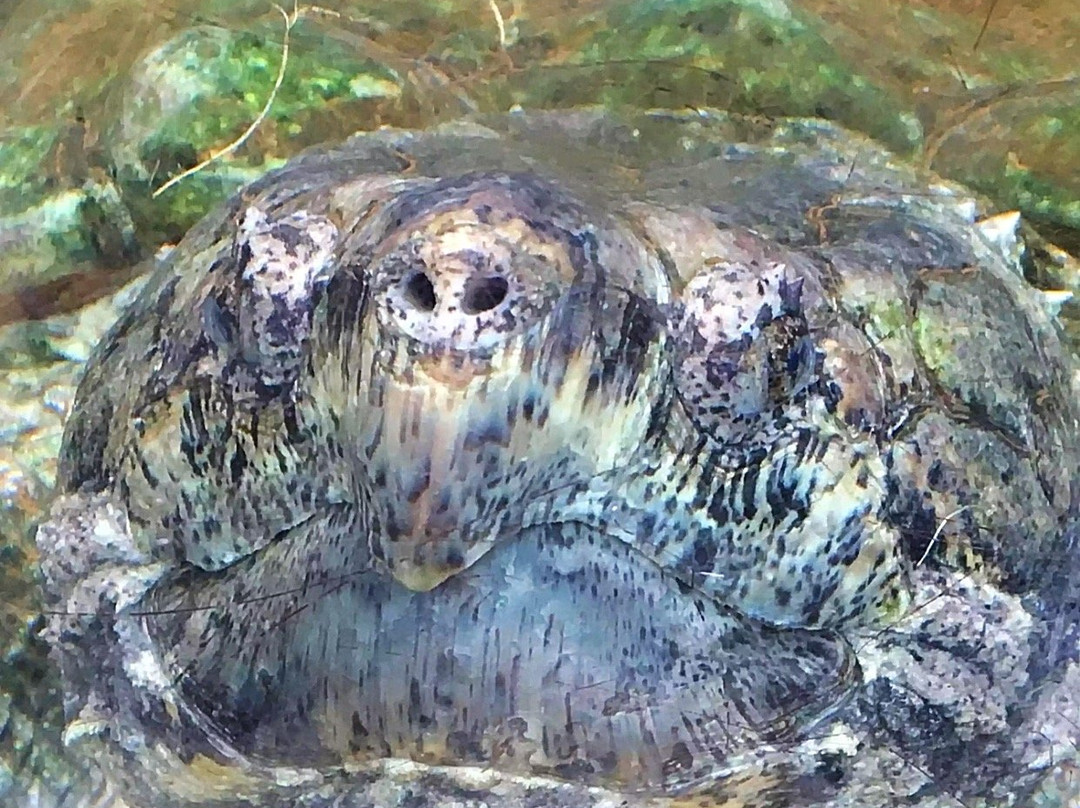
<point x="575" y="450"/>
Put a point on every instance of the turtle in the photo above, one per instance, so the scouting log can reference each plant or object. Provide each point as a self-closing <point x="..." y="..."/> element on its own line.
<point x="578" y="458"/>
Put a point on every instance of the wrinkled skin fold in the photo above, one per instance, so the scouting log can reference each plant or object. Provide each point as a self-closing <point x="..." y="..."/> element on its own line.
<point x="543" y="451"/>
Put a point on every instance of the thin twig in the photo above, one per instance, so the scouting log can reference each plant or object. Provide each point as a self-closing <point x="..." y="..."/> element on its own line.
<point x="289" y="22"/>
<point x="937" y="534"/>
<point x="500" y="23"/>
<point x="983" y="107"/>
<point x="985" y="25"/>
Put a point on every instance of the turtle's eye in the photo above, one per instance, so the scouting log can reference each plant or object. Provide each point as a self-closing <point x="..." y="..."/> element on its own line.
<point x="793" y="358"/>
<point x="744" y="347"/>
<point x="283" y="264"/>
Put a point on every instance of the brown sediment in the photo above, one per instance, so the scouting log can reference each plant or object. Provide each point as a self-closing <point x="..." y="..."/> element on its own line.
<point x="64" y="295"/>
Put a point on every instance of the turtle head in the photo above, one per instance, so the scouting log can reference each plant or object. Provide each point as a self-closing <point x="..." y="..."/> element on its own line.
<point x="482" y="363"/>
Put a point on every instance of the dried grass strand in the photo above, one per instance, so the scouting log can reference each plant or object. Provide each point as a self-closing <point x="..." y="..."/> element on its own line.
<point x="937" y="534"/>
<point x="499" y="22"/>
<point x="290" y="21"/>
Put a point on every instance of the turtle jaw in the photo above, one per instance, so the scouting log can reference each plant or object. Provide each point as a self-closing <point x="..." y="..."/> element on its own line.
<point x="439" y="440"/>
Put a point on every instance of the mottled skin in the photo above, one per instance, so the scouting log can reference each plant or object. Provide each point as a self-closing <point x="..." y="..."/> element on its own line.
<point x="565" y="448"/>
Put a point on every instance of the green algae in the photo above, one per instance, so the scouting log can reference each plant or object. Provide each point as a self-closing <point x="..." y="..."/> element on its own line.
<point x="24" y="152"/>
<point x="752" y="58"/>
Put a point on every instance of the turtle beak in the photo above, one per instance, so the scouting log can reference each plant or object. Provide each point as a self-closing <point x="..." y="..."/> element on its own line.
<point x="486" y="369"/>
<point x="454" y="451"/>
<point x="464" y="452"/>
<point x="455" y="438"/>
<point x="431" y="557"/>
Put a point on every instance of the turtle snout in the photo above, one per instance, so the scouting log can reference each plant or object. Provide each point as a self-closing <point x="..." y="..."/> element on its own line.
<point x="475" y="296"/>
<point x="456" y="302"/>
<point x="464" y="289"/>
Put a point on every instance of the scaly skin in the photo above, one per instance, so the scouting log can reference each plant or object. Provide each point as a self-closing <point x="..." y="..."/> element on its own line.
<point x="549" y="449"/>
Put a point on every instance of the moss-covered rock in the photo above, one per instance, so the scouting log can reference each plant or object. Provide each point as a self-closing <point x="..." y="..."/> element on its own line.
<point x="750" y="57"/>
<point x="63" y="231"/>
<point x="189" y="98"/>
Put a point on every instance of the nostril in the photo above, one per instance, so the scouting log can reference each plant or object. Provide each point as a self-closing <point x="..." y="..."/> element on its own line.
<point x="484" y="294"/>
<point x="420" y="292"/>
